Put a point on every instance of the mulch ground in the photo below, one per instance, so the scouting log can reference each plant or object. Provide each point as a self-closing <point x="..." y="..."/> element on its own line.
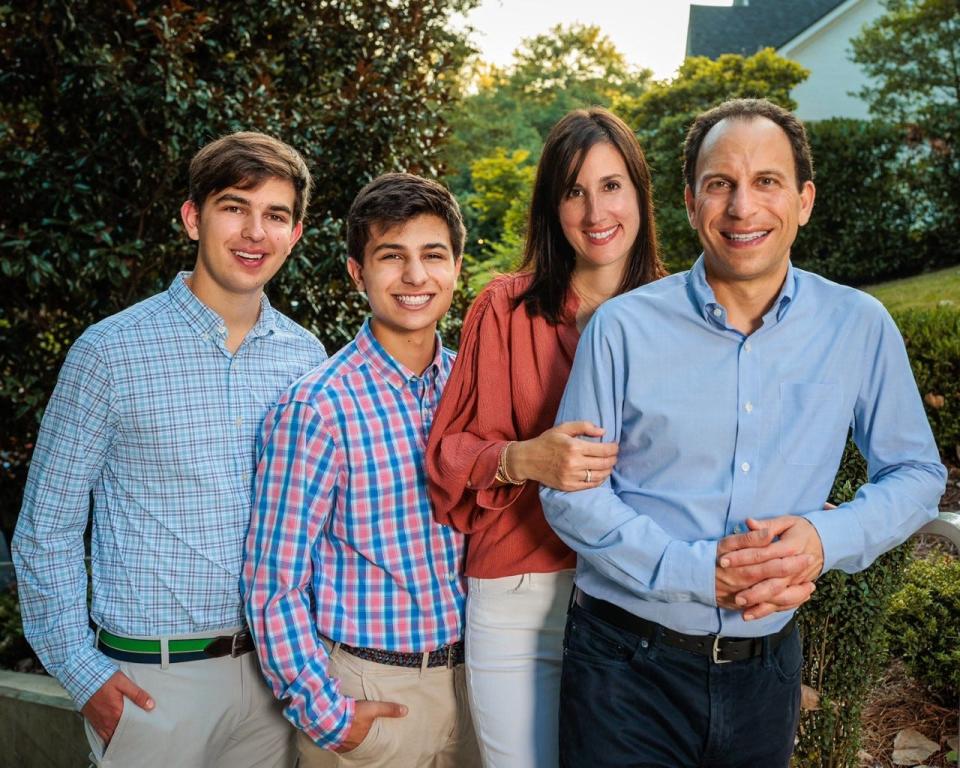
<point x="896" y="703"/>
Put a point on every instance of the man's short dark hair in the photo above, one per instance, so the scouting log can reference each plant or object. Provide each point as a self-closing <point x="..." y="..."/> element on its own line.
<point x="245" y="160"/>
<point x="394" y="199"/>
<point x="748" y="109"/>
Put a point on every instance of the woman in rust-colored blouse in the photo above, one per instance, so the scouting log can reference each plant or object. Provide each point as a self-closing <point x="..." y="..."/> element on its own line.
<point x="591" y="235"/>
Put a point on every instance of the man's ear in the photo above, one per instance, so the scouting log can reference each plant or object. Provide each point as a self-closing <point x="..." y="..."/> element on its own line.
<point x="355" y="270"/>
<point x="295" y="235"/>
<point x="807" y="195"/>
<point x="190" y="216"/>
<point x="688" y="199"/>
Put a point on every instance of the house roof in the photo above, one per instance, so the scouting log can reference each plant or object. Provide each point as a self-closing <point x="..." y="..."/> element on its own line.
<point x="745" y="29"/>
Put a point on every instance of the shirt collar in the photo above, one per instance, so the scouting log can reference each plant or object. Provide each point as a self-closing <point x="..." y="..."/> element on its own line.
<point x="207" y="322"/>
<point x="705" y="300"/>
<point x="393" y="372"/>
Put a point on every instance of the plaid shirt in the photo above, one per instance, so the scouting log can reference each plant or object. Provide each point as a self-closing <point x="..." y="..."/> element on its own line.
<point x="157" y="421"/>
<point x="343" y="542"/>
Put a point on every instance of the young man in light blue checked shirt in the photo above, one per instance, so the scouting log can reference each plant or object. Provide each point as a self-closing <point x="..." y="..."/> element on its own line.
<point x="151" y="429"/>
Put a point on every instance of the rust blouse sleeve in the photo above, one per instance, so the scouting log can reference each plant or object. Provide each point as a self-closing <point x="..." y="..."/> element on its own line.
<point x="475" y="419"/>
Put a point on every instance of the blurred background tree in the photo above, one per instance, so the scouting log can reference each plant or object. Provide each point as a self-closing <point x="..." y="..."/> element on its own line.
<point x="912" y="53"/>
<point x="103" y="106"/>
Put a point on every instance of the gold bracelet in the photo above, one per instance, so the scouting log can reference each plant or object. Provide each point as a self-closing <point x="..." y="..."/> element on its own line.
<point x="502" y="475"/>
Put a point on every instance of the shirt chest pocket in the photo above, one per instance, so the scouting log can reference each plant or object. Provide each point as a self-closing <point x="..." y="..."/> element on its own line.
<point x="812" y="422"/>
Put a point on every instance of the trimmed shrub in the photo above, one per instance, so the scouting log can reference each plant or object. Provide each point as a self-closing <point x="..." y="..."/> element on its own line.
<point x="932" y="337"/>
<point x="924" y="624"/>
<point x="844" y="642"/>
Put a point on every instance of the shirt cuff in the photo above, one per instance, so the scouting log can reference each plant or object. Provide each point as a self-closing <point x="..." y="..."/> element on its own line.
<point x="688" y="572"/>
<point x="329" y="731"/>
<point x="837" y="535"/>
<point x="85" y="674"/>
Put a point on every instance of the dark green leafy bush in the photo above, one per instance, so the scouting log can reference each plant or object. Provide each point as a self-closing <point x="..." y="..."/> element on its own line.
<point x="844" y="642"/>
<point x="103" y="106"/>
<point x="932" y="337"/>
<point x="924" y="624"/>
<point x="872" y="219"/>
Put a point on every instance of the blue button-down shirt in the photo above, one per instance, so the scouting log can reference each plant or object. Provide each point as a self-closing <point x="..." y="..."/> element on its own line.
<point x="154" y="421"/>
<point x="715" y="427"/>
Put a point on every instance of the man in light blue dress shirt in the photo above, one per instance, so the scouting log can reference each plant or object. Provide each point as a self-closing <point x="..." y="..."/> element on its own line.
<point x="730" y="389"/>
<point x="151" y="430"/>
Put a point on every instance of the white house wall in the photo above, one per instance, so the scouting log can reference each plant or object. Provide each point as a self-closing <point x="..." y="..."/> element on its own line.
<point x="824" y="49"/>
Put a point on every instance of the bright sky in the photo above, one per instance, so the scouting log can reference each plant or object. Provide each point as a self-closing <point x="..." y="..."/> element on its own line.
<point x="650" y="33"/>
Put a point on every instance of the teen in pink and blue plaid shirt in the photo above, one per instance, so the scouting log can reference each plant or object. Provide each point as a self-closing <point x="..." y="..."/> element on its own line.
<point x="354" y="593"/>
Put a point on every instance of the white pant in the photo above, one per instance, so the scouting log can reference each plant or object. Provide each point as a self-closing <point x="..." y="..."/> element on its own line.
<point x="514" y="647"/>
<point x="212" y="713"/>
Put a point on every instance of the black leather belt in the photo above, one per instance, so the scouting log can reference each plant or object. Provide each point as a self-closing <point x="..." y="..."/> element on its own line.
<point x="445" y="656"/>
<point x="719" y="649"/>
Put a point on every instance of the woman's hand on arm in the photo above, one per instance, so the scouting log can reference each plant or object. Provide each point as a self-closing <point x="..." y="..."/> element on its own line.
<point x="559" y="458"/>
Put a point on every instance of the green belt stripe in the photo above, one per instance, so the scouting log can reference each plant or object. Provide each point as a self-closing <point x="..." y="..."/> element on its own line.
<point x="132" y="645"/>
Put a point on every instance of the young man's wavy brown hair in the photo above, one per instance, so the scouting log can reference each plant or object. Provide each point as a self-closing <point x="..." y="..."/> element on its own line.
<point x="245" y="160"/>
<point x="395" y="198"/>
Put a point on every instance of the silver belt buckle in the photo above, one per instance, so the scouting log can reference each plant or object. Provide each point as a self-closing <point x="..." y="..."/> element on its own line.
<point x="450" y="656"/>
<point x="233" y="643"/>
<point x="716" y="652"/>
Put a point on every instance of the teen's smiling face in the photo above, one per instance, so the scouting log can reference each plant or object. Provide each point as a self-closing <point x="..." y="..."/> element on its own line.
<point x="747" y="206"/>
<point x="244" y="236"/>
<point x="409" y="272"/>
<point x="600" y="215"/>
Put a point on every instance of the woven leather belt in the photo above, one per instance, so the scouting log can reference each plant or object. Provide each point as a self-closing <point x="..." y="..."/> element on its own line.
<point x="149" y="651"/>
<point x="719" y="649"/>
<point x="445" y="656"/>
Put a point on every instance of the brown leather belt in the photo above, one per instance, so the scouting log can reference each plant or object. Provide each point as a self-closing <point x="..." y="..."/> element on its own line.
<point x="719" y="649"/>
<point x="445" y="656"/>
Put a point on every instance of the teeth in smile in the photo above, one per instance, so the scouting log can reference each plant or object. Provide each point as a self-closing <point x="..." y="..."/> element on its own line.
<point x="414" y="301"/>
<point x="249" y="256"/>
<point x="601" y="235"/>
<point x="746" y="237"/>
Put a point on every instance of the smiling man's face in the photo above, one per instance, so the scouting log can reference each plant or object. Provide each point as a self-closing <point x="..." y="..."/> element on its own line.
<point x="747" y="206"/>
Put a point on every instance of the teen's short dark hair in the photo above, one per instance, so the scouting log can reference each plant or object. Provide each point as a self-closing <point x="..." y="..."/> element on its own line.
<point x="748" y="109"/>
<point x="547" y="253"/>
<point x="245" y="160"/>
<point x="395" y="198"/>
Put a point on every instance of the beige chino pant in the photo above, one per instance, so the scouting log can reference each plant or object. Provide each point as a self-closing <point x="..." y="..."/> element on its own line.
<point x="212" y="713"/>
<point x="437" y="731"/>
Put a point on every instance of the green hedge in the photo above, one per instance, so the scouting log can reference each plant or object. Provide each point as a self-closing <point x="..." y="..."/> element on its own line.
<point x="932" y="337"/>
<point x="873" y="218"/>
<point x="844" y="642"/>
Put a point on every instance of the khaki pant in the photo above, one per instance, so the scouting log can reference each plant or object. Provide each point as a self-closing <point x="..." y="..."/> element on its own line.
<point x="213" y="713"/>
<point x="436" y="733"/>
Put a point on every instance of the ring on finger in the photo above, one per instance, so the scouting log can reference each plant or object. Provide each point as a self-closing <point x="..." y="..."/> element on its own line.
<point x="587" y="476"/>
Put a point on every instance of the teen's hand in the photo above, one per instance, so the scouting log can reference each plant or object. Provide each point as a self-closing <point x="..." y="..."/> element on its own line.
<point x="104" y="708"/>
<point x="559" y="459"/>
<point x="364" y="713"/>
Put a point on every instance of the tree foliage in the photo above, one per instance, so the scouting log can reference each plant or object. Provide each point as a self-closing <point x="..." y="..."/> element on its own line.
<point x="662" y="115"/>
<point x="912" y="54"/>
<point x="103" y="105"/>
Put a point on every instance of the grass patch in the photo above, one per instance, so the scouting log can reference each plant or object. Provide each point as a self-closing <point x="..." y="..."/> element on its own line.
<point x="928" y="291"/>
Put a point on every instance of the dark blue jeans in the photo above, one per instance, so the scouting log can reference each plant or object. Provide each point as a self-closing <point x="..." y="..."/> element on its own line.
<point x="632" y="701"/>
